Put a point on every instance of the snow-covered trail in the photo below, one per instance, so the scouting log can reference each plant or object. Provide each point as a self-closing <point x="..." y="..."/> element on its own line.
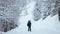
<point x="29" y="9"/>
<point x="50" y="25"/>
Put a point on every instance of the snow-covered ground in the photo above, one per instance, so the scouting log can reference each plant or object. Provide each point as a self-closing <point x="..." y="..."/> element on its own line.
<point x="50" y="25"/>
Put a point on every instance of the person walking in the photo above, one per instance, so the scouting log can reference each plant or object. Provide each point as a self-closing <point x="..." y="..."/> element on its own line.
<point x="29" y="25"/>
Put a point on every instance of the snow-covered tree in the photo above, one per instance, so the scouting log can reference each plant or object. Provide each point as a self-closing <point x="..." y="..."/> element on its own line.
<point x="47" y="7"/>
<point x="9" y="12"/>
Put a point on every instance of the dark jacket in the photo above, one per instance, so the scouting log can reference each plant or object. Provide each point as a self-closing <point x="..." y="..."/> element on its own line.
<point x="29" y="24"/>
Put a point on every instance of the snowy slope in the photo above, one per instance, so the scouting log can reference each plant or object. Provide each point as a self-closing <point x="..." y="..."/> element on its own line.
<point x="50" y="25"/>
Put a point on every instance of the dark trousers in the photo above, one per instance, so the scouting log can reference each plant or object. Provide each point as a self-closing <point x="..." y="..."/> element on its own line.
<point x="29" y="28"/>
